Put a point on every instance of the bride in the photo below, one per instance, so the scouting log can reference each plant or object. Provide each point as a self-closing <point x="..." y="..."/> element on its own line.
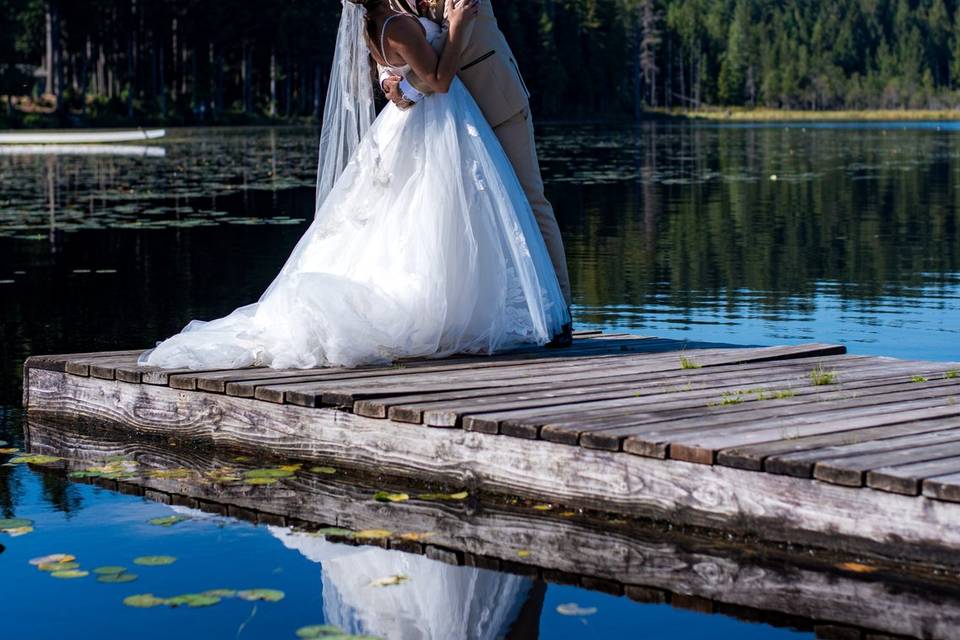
<point x="423" y="243"/>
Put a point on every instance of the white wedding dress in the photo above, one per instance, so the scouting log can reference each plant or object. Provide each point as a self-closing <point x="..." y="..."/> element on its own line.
<point x="425" y="246"/>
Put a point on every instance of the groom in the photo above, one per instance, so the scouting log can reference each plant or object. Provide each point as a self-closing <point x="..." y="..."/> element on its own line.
<point x="491" y="74"/>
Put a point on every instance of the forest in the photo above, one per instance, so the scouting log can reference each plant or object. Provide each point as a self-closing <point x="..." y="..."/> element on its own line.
<point x="214" y="61"/>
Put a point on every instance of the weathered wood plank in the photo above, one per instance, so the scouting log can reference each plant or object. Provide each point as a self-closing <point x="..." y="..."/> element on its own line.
<point x="946" y="487"/>
<point x="772" y="507"/>
<point x="753" y="456"/>
<point x="907" y="478"/>
<point x="853" y="462"/>
<point x="58" y="362"/>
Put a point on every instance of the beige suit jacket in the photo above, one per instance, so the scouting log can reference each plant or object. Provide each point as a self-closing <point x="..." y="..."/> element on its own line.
<point x="488" y="67"/>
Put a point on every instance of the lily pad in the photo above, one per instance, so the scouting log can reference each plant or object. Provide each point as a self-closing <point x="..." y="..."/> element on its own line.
<point x="35" y="459"/>
<point x="221" y="593"/>
<point x="573" y="609"/>
<point x="8" y="524"/>
<point x="267" y="595"/>
<point x="460" y="495"/>
<point x="328" y="632"/>
<point x="335" y="532"/>
<point x="261" y="481"/>
<point x="154" y="561"/>
<point x="416" y="536"/>
<point x="169" y="474"/>
<point x="117" y="578"/>
<point x="192" y="600"/>
<point x="70" y="574"/>
<point x="385" y="496"/>
<point x="390" y="581"/>
<point x="372" y="534"/>
<point x="109" y="570"/>
<point x="168" y="521"/>
<point x="324" y="470"/>
<point x="144" y="601"/>
<point x="58" y="566"/>
<point x="9" y="451"/>
<point x="53" y="557"/>
<point x="255" y="474"/>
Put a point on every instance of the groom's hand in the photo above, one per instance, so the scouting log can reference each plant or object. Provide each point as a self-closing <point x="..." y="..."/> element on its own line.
<point x="391" y="89"/>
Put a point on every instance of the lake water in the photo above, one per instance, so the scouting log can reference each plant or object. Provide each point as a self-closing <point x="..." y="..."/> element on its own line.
<point x="738" y="234"/>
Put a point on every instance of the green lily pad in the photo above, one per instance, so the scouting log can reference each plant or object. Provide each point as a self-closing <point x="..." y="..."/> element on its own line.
<point x="386" y="496"/>
<point x="70" y="574"/>
<point x="390" y="581"/>
<point x="324" y="470"/>
<point x="324" y="632"/>
<point x="35" y="459"/>
<point x="260" y="481"/>
<point x="372" y="534"/>
<point x="144" y="601"/>
<point x="192" y="600"/>
<point x="117" y="578"/>
<point x="221" y="593"/>
<point x="169" y="474"/>
<point x="58" y="566"/>
<point x="267" y="473"/>
<point x="336" y="532"/>
<point x="109" y="570"/>
<point x="7" y="524"/>
<point x="461" y="495"/>
<point x="168" y="521"/>
<point x="573" y="609"/>
<point x="268" y="595"/>
<point x="154" y="561"/>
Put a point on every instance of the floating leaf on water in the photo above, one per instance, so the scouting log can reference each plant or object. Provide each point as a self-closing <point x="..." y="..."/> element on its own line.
<point x="168" y="521"/>
<point x="154" y="561"/>
<point x="221" y="593"/>
<point x="117" y="578"/>
<point x="415" y="536"/>
<point x="573" y="609"/>
<point x="18" y="531"/>
<point x="325" y="470"/>
<point x="568" y="514"/>
<point x="386" y="496"/>
<point x="58" y="566"/>
<point x="334" y="532"/>
<point x="267" y="595"/>
<point x="261" y="481"/>
<point x="372" y="534"/>
<point x="109" y="570"/>
<point x="223" y="474"/>
<point x="523" y="553"/>
<point x="856" y="567"/>
<point x="70" y="574"/>
<point x="8" y="524"/>
<point x="318" y="631"/>
<point x="192" y="600"/>
<point x="169" y="474"/>
<point x="254" y="474"/>
<point x="461" y="495"/>
<point x="543" y="507"/>
<point x="9" y="452"/>
<point x="53" y="557"/>
<point x="292" y="468"/>
<point x="389" y="581"/>
<point x="35" y="459"/>
<point x="144" y="601"/>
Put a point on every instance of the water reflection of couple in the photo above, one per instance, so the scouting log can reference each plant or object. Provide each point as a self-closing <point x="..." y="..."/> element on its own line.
<point x="438" y="602"/>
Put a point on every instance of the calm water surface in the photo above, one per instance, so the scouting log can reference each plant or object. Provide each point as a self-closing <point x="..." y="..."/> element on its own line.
<point x="753" y="235"/>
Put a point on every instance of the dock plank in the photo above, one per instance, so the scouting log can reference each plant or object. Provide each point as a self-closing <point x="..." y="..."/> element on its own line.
<point x="908" y="478"/>
<point x="850" y="468"/>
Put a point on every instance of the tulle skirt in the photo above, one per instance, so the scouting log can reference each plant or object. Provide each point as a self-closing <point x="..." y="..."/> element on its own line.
<point x="425" y="246"/>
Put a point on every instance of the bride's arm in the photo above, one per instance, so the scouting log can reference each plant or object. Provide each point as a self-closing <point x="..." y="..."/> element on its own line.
<point x="437" y="73"/>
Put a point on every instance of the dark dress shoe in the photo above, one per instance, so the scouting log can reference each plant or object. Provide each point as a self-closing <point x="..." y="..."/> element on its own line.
<point x="563" y="339"/>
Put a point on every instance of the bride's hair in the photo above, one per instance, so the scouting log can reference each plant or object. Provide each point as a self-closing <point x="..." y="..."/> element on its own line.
<point x="367" y="4"/>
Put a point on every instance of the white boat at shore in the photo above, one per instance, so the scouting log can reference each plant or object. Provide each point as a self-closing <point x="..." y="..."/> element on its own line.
<point x="81" y="137"/>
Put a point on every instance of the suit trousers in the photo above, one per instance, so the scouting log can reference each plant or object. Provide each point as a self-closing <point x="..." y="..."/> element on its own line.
<point x="517" y="139"/>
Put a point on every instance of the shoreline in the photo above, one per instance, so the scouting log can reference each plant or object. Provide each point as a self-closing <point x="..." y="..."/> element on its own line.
<point x="741" y="114"/>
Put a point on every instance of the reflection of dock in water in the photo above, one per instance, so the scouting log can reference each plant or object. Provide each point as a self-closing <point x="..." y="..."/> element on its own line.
<point x="90" y="136"/>
<point x="131" y="150"/>
<point x="685" y="568"/>
<point x="801" y="444"/>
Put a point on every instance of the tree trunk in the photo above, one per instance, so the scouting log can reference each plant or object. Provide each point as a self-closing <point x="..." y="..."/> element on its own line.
<point x="273" y="83"/>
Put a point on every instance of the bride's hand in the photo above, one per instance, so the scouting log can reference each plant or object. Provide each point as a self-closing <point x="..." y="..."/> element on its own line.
<point x="460" y="12"/>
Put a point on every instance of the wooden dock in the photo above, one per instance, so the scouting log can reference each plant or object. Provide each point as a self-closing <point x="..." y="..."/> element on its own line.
<point x="800" y="444"/>
<point x="832" y="595"/>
